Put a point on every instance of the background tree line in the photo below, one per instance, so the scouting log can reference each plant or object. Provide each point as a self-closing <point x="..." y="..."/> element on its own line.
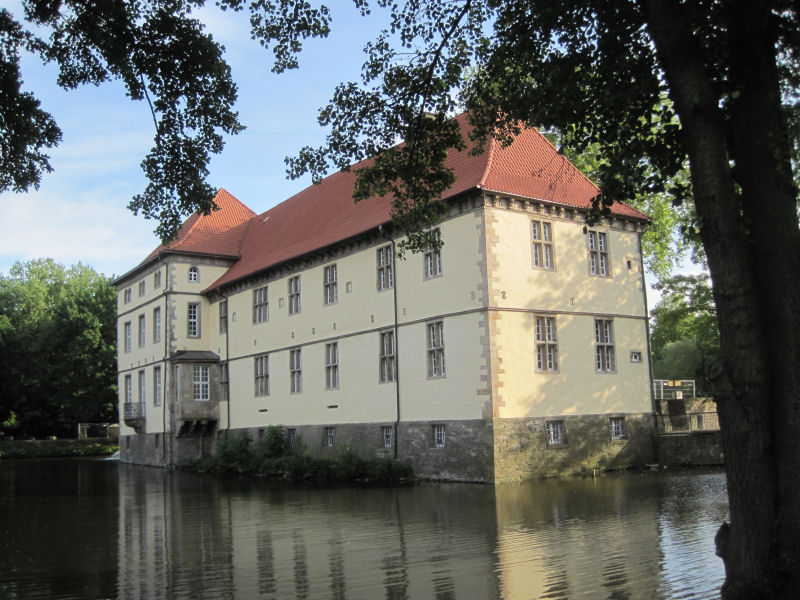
<point x="57" y="348"/>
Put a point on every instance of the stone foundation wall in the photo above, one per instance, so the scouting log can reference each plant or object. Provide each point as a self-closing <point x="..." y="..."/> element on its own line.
<point x="522" y="450"/>
<point x="697" y="448"/>
<point x="466" y="456"/>
<point x="149" y="448"/>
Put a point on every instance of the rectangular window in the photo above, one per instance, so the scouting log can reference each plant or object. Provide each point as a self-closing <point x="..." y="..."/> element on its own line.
<point x="438" y="436"/>
<point x="436" y="366"/>
<point x="126" y="296"/>
<point x="294" y="295"/>
<point x="387" y="364"/>
<point x="385" y="270"/>
<point x="330" y="285"/>
<point x="433" y="259"/>
<point x="128" y="389"/>
<point x="543" y="251"/>
<point x="142" y="288"/>
<point x="618" y="429"/>
<point x="332" y="366"/>
<point x="200" y="384"/>
<point x="157" y="386"/>
<point x="142" y="331"/>
<point x="156" y="280"/>
<point x="604" y="346"/>
<point x="142" y="388"/>
<point x="193" y="320"/>
<point x="223" y="381"/>
<point x="260" y="305"/>
<point x="556" y="433"/>
<point x="223" y="316"/>
<point x="261" y="374"/>
<point x="598" y="254"/>
<point x="128" y="336"/>
<point x="388" y="436"/>
<point x="291" y="435"/>
<point x="295" y="371"/>
<point x="156" y="324"/>
<point x="330" y="433"/>
<point x="546" y="344"/>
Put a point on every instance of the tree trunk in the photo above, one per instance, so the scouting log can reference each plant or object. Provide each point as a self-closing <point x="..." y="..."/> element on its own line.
<point x="753" y="248"/>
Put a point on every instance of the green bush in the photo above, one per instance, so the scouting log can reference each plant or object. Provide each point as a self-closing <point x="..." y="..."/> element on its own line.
<point x="271" y="456"/>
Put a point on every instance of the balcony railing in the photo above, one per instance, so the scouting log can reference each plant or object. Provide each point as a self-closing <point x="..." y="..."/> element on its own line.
<point x="134" y="410"/>
<point x="687" y="422"/>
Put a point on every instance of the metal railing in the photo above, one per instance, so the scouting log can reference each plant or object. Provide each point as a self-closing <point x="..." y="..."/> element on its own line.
<point x="673" y="389"/>
<point x="687" y="422"/>
<point x="134" y="410"/>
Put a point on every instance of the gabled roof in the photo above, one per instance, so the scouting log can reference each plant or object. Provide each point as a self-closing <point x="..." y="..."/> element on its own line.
<point x="325" y="213"/>
<point x="219" y="233"/>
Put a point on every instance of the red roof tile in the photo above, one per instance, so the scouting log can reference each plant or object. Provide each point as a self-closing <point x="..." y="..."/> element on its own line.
<point x="219" y="233"/>
<point x="325" y="213"/>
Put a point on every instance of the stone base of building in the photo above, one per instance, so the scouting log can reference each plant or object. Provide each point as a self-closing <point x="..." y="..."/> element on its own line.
<point x="480" y="450"/>
<point x="522" y="449"/>
<point x="165" y="449"/>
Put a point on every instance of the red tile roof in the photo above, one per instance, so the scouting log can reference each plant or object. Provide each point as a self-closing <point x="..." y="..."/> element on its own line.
<point x="325" y="213"/>
<point x="219" y="233"/>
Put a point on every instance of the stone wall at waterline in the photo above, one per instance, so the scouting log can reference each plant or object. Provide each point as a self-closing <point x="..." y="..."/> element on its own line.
<point x="696" y="448"/>
<point x="522" y="450"/>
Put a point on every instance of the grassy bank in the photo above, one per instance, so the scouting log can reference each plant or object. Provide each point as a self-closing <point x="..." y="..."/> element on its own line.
<point x="271" y="456"/>
<point x="56" y="448"/>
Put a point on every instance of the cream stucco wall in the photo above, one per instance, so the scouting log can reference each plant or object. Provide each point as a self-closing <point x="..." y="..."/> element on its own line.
<point x="519" y="291"/>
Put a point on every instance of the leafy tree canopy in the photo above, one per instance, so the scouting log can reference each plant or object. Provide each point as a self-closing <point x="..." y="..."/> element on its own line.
<point x="57" y="347"/>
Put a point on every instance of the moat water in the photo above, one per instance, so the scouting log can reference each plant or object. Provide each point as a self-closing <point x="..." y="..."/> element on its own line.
<point x="100" y="529"/>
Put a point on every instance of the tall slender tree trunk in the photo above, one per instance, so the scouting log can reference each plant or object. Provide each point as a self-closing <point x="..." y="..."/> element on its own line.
<point x="752" y="241"/>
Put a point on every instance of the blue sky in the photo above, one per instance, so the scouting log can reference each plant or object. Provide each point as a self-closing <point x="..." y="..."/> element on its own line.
<point x="79" y="213"/>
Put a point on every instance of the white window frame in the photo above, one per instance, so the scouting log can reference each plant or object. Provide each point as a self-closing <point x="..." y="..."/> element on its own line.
<point x="142" y="288"/>
<point x="127" y="295"/>
<point x="432" y="259"/>
<point x="330" y="436"/>
<point x="386" y="361"/>
<point x="330" y="284"/>
<point x="142" y="331"/>
<point x="556" y="433"/>
<point x="296" y="370"/>
<point x="157" y="280"/>
<point x="223" y="317"/>
<point x="194" y="274"/>
<point x="261" y="305"/>
<point x="201" y="385"/>
<point x="157" y="385"/>
<point x="546" y="343"/>
<point x="436" y="359"/>
<point x="439" y="432"/>
<point x="127" y="336"/>
<point x="193" y="319"/>
<point x="142" y="388"/>
<point x="332" y="366"/>
<point x="599" y="263"/>
<point x="156" y="324"/>
<point x="385" y="268"/>
<point x="261" y="375"/>
<point x="128" y="389"/>
<point x="604" y="347"/>
<point x="619" y="430"/>
<point x="543" y="252"/>
<point x="387" y="434"/>
<point x="294" y="295"/>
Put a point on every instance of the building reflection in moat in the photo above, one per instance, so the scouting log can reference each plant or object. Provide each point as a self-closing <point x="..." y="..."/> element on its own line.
<point x="189" y="536"/>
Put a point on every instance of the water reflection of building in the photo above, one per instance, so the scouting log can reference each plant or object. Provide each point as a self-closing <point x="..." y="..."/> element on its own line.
<point x="518" y="349"/>
<point x="187" y="536"/>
